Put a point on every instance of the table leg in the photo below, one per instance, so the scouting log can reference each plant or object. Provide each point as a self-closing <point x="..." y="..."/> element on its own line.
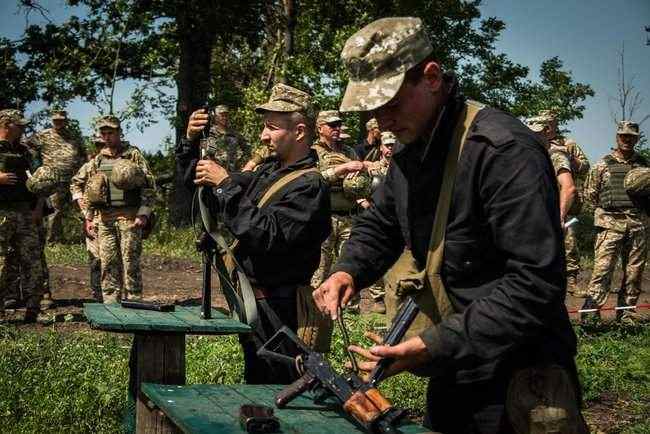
<point x="159" y="358"/>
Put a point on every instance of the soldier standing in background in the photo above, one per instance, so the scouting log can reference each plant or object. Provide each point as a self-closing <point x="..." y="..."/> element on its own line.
<point x="234" y="151"/>
<point x="579" y="166"/>
<point x="368" y="148"/>
<point x="58" y="147"/>
<point x="622" y="223"/>
<point x="335" y="161"/>
<point x="119" y="190"/>
<point x="92" y="239"/>
<point x="20" y="213"/>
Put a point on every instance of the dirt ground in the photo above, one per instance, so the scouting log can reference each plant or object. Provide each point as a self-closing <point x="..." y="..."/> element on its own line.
<point x="179" y="281"/>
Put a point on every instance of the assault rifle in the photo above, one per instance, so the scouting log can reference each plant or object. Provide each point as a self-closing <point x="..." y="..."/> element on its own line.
<point x="364" y="403"/>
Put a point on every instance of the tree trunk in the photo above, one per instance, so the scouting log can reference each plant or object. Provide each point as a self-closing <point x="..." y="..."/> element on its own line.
<point x="291" y="19"/>
<point x="196" y="38"/>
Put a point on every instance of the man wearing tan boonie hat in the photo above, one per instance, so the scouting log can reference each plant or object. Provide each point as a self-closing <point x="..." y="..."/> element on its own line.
<point x="622" y="221"/>
<point x="495" y="304"/>
<point x="278" y="241"/>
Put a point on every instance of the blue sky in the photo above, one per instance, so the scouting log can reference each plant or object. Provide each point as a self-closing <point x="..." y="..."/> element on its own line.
<point x="585" y="34"/>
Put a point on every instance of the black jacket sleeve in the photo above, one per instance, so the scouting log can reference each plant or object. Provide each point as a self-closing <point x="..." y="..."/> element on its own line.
<point x="187" y="155"/>
<point x="519" y="200"/>
<point x="281" y="224"/>
<point x="376" y="241"/>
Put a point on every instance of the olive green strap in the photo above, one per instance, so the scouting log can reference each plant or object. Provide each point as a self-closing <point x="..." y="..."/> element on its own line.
<point x="439" y="305"/>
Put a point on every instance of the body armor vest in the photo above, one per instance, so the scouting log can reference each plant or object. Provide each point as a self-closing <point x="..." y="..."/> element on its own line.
<point x="339" y="201"/>
<point x="614" y="196"/>
<point x="116" y="196"/>
<point x="19" y="165"/>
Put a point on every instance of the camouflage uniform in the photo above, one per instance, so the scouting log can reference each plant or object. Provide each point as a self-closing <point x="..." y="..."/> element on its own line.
<point x="622" y="231"/>
<point x="120" y="244"/>
<point x="233" y="151"/>
<point x="64" y="151"/>
<point x="18" y="234"/>
<point x="342" y="206"/>
<point x="579" y="171"/>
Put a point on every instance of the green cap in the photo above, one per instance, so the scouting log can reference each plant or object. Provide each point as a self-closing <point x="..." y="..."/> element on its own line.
<point x="388" y="138"/>
<point x="287" y="99"/>
<point x="13" y="116"/>
<point x="108" y="121"/>
<point x="627" y="127"/>
<point x="377" y="58"/>
<point x="327" y="116"/>
<point x="372" y="124"/>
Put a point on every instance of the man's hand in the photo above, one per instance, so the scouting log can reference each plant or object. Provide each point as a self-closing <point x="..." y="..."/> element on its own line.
<point x="364" y="203"/>
<point x="198" y="121"/>
<point x="209" y="173"/>
<point x="351" y="166"/>
<point x="8" y="178"/>
<point x="408" y="355"/>
<point x="334" y="292"/>
<point x="140" y="221"/>
<point x="90" y="229"/>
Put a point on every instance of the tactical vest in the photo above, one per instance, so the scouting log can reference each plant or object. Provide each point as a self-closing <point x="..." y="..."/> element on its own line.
<point x="339" y="201"/>
<point x="19" y="165"/>
<point x="117" y="197"/>
<point x="614" y="196"/>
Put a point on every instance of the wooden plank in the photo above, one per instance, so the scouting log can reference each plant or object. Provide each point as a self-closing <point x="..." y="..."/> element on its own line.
<point x="218" y="324"/>
<point x="191" y="411"/>
<point x="129" y="318"/>
<point x="160" y="358"/>
<point x="101" y="318"/>
<point x="162" y="321"/>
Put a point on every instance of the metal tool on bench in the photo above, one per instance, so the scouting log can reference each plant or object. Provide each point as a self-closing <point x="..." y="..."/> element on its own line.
<point x="365" y="404"/>
<point x="258" y="419"/>
<point x="148" y="305"/>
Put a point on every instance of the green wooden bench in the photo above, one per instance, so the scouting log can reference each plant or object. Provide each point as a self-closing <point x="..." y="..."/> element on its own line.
<point x="158" y="352"/>
<point x="209" y="409"/>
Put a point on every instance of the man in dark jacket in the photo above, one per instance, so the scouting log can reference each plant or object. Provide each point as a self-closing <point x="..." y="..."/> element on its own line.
<point x="503" y="266"/>
<point x="279" y="243"/>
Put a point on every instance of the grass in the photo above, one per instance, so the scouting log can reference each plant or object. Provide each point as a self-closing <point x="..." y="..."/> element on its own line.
<point x="76" y="382"/>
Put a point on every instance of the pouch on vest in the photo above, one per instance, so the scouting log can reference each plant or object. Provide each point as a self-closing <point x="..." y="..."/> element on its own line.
<point x="96" y="191"/>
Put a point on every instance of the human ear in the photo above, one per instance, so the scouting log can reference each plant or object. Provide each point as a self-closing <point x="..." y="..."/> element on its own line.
<point x="300" y="132"/>
<point x="433" y="76"/>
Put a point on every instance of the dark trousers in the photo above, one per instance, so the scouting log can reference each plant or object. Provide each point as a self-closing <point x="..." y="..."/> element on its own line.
<point x="475" y="408"/>
<point x="261" y="371"/>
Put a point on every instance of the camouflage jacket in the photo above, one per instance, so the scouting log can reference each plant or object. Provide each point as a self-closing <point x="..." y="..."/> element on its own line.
<point x="233" y="150"/>
<point x="61" y="151"/>
<point x="560" y="160"/>
<point x="79" y="181"/>
<point x="328" y="159"/>
<point x="578" y="159"/>
<point x="379" y="168"/>
<point x="617" y="220"/>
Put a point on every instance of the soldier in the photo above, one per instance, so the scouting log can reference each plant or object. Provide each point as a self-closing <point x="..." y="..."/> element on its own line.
<point x="60" y="148"/>
<point x="92" y="239"/>
<point x="234" y="151"/>
<point x="489" y="273"/>
<point x="579" y="167"/>
<point x="368" y="148"/>
<point x="335" y="161"/>
<point x="278" y="241"/>
<point x="622" y="223"/>
<point x="20" y="213"/>
<point x="118" y="189"/>
<point x="378" y="171"/>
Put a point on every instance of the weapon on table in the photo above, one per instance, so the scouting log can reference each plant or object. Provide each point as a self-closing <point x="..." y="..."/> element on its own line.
<point x="145" y="305"/>
<point x="365" y="404"/>
<point x="394" y="336"/>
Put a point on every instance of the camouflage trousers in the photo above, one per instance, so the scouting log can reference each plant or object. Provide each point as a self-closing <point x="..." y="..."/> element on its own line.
<point x="120" y="247"/>
<point x="631" y="246"/>
<point x="19" y="236"/>
<point x="13" y="272"/>
<point x="62" y="203"/>
<point x="330" y="251"/>
<point x="572" y="252"/>
<point x="94" y="264"/>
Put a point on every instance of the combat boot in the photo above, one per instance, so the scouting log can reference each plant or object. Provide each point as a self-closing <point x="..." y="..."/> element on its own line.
<point x="31" y="316"/>
<point x="46" y="301"/>
<point x="589" y="317"/>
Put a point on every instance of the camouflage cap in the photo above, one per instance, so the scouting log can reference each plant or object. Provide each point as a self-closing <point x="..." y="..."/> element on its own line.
<point x="627" y="127"/>
<point x="61" y="115"/>
<point x="535" y="125"/>
<point x="388" y="138"/>
<point x="13" y="116"/>
<point x="327" y="116"/>
<point x="372" y="124"/>
<point x="287" y="99"/>
<point x="108" y="121"/>
<point x="221" y="109"/>
<point x="377" y="58"/>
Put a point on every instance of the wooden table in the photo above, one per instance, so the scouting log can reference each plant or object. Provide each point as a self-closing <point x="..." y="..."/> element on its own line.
<point x="209" y="409"/>
<point x="158" y="352"/>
